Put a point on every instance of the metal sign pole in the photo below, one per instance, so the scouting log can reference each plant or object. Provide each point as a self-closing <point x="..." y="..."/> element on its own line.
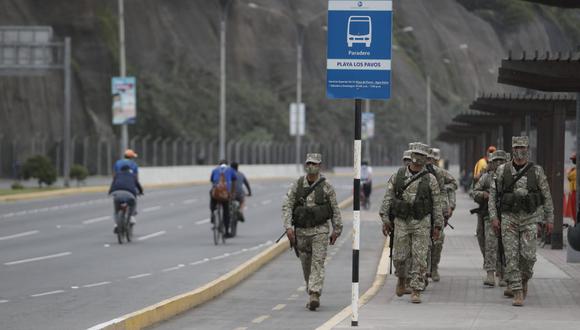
<point x="356" y="210"/>
<point x="122" y="70"/>
<point x="67" y="109"/>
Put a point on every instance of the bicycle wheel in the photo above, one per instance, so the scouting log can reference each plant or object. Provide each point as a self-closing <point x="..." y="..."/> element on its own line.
<point x="222" y="228"/>
<point x="234" y="218"/>
<point x="216" y="229"/>
<point x="128" y="227"/>
<point x="120" y="226"/>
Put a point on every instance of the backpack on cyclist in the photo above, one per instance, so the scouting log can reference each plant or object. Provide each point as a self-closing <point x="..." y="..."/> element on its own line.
<point x="220" y="191"/>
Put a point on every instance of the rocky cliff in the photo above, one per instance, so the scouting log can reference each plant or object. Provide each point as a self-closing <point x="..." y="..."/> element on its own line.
<point x="172" y="49"/>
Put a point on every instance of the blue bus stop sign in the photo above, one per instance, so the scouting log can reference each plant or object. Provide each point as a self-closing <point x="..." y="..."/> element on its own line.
<point x="358" y="64"/>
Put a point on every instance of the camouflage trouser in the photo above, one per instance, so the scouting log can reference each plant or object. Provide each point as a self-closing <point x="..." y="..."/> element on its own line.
<point x="312" y="255"/>
<point x="436" y="254"/>
<point x="480" y="233"/>
<point x="519" y="241"/>
<point x="490" y="255"/>
<point x="410" y="250"/>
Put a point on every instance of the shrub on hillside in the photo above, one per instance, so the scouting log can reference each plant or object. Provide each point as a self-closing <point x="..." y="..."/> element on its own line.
<point x="79" y="172"/>
<point x="40" y="168"/>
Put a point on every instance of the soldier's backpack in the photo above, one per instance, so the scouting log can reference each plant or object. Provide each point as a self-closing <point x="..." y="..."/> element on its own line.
<point x="220" y="191"/>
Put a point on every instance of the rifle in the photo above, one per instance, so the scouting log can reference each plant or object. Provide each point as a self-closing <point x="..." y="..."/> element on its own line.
<point x="292" y="244"/>
<point x="391" y="239"/>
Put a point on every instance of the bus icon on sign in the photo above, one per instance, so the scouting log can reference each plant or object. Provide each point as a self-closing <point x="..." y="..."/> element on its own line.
<point x="359" y="31"/>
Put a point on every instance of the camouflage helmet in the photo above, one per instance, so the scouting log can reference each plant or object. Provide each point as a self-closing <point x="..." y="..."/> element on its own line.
<point x="407" y="155"/>
<point x="499" y="155"/>
<point x="314" y="158"/>
<point x="435" y="153"/>
<point x="419" y="148"/>
<point x="520" y="141"/>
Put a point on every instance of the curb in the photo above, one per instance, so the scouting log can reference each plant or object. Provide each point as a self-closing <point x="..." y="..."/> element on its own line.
<point x="171" y="307"/>
<point x="377" y="285"/>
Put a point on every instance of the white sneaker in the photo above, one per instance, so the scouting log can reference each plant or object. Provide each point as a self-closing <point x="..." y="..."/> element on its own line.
<point x="132" y="220"/>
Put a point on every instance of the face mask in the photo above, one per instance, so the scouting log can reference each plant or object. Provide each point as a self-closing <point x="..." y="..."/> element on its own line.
<point x="521" y="154"/>
<point x="312" y="169"/>
<point x="419" y="159"/>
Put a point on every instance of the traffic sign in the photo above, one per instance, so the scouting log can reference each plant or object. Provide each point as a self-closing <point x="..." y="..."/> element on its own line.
<point x="297" y="113"/>
<point x="358" y="62"/>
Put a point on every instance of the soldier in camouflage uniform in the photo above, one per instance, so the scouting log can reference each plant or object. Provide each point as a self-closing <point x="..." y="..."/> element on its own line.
<point x="407" y="158"/>
<point x="306" y="223"/>
<point x="411" y="197"/>
<point x="448" y="186"/>
<point x="522" y="190"/>
<point x="480" y="195"/>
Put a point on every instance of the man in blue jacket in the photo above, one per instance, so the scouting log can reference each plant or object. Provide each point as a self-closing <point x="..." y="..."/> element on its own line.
<point x="124" y="189"/>
<point x="230" y="178"/>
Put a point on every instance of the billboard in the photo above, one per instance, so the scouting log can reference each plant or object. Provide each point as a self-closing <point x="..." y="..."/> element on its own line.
<point x="124" y="100"/>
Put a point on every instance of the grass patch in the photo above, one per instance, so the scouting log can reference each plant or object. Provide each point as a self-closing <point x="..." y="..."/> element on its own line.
<point x="6" y="192"/>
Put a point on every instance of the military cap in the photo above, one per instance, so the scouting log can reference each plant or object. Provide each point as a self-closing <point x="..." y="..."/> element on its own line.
<point x="435" y="153"/>
<point x="407" y="155"/>
<point x="499" y="154"/>
<point x="520" y="141"/>
<point x="314" y="158"/>
<point x="419" y="148"/>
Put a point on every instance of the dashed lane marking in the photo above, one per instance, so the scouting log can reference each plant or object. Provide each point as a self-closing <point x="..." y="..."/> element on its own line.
<point x="173" y="268"/>
<point x="16" y="262"/>
<point x="201" y="222"/>
<point x="47" y="293"/>
<point x="151" y="209"/>
<point x="293" y="297"/>
<point x="139" y="276"/>
<point x="241" y="328"/>
<point x="95" y="220"/>
<point x="190" y="201"/>
<point x="279" y="307"/>
<point x="28" y="233"/>
<point x="159" y="233"/>
<point x="96" y="284"/>
<point x="199" y="262"/>
<point x="301" y="288"/>
<point x="4" y="301"/>
<point x="260" y="319"/>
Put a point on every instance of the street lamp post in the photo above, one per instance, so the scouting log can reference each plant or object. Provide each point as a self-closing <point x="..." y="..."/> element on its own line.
<point x="299" y="43"/>
<point x="122" y="69"/>
<point x="222" y="124"/>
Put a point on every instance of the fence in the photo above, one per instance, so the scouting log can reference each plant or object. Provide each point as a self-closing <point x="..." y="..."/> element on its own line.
<point x="99" y="153"/>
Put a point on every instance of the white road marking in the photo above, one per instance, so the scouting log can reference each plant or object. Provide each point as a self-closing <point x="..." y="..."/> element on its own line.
<point x="201" y="222"/>
<point x="279" y="307"/>
<point x="301" y="288"/>
<point x="293" y="297"/>
<point x="260" y="319"/>
<point x="37" y="258"/>
<point x="139" y="276"/>
<point x="3" y="301"/>
<point x="74" y="287"/>
<point x="28" y="233"/>
<point x="151" y="209"/>
<point x="190" y="201"/>
<point x="107" y="245"/>
<point x="87" y="222"/>
<point x="179" y="227"/>
<point x="173" y="268"/>
<point x="159" y="233"/>
<point x="219" y="257"/>
<point x="47" y="293"/>
<point x="266" y="202"/>
<point x="96" y="284"/>
<point x="199" y="262"/>
<point x="241" y="328"/>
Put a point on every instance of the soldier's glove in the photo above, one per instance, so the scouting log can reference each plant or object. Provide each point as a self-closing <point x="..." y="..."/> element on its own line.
<point x="291" y="236"/>
<point x="387" y="228"/>
<point x="333" y="237"/>
<point x="436" y="233"/>
<point x="495" y="225"/>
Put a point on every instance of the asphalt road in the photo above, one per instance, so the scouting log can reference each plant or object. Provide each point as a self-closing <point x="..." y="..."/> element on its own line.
<point x="275" y="297"/>
<point x="61" y="267"/>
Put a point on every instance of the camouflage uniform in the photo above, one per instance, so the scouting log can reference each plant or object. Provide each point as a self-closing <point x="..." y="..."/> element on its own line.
<point x="518" y="228"/>
<point x="448" y="200"/>
<point x="312" y="242"/>
<point x="411" y="243"/>
<point x="483" y="186"/>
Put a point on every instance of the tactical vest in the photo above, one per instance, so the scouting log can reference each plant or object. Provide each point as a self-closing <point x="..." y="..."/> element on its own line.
<point x="510" y="202"/>
<point x="310" y="216"/>
<point x="420" y="208"/>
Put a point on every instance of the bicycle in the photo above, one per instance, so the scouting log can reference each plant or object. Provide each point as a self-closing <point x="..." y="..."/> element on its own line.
<point x="124" y="227"/>
<point x="218" y="225"/>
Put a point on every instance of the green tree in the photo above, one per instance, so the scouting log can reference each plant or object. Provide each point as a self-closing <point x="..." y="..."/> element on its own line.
<point x="79" y="173"/>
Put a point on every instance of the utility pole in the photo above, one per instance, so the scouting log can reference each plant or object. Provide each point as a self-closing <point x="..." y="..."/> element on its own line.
<point x="367" y="156"/>
<point x="222" y="129"/>
<point x="67" y="110"/>
<point x="428" y="110"/>
<point x="122" y="70"/>
<point x="299" y="44"/>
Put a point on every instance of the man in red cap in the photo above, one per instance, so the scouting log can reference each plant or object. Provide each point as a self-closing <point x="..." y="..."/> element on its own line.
<point x="481" y="164"/>
<point x="480" y="168"/>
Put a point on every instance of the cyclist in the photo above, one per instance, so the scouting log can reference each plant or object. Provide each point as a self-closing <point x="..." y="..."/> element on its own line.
<point x="366" y="178"/>
<point x="128" y="160"/>
<point x="124" y="189"/>
<point x="228" y="175"/>
<point x="240" y="195"/>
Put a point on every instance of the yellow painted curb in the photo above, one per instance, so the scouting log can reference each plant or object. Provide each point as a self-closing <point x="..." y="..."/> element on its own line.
<point x="171" y="307"/>
<point x="377" y="285"/>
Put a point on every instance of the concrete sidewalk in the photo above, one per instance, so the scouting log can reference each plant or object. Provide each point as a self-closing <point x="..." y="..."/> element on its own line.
<point x="460" y="301"/>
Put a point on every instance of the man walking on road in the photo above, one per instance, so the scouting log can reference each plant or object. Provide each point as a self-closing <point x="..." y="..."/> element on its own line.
<point x="448" y="199"/>
<point x="521" y="190"/>
<point x="480" y="195"/>
<point x="411" y="198"/>
<point x="309" y="204"/>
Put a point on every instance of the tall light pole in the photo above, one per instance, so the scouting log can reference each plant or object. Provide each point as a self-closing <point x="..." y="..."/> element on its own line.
<point x="122" y="69"/>
<point x="223" y="25"/>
